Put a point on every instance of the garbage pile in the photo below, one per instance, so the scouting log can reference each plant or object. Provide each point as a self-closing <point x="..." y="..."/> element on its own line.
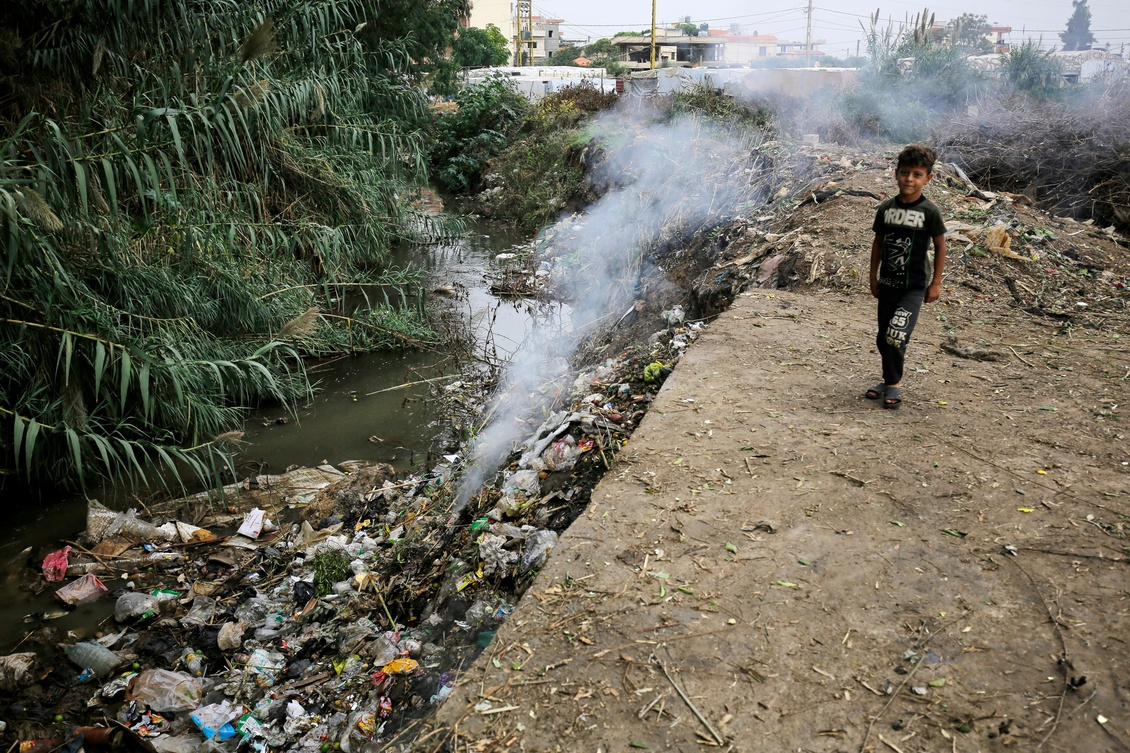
<point x="270" y="628"/>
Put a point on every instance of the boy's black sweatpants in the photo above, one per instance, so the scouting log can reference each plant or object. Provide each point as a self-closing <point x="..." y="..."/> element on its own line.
<point x="898" y="313"/>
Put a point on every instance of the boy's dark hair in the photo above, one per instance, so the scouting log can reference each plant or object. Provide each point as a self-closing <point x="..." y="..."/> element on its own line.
<point x="917" y="155"/>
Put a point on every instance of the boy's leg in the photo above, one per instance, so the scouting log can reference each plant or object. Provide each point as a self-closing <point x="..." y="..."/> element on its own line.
<point x="898" y="313"/>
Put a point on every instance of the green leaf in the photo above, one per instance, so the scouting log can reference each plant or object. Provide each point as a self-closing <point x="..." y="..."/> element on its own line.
<point x="127" y="364"/>
<point x="83" y="190"/>
<point x="99" y="365"/>
<point x="18" y="430"/>
<point x="686" y="589"/>
<point x="29" y="447"/>
<point x="955" y="532"/>
<point x="76" y="449"/>
<point x="785" y="583"/>
<point x="731" y="548"/>
<point x="143" y="384"/>
<point x="806" y="563"/>
<point x="111" y="186"/>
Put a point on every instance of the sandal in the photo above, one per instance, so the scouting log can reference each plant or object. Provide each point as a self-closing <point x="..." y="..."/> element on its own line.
<point x="876" y="392"/>
<point x="893" y="399"/>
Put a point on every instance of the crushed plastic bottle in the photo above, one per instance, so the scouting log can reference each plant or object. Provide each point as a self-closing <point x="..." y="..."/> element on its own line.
<point x="97" y="657"/>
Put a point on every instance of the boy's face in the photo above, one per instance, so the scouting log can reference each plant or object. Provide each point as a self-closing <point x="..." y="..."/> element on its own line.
<point x="911" y="181"/>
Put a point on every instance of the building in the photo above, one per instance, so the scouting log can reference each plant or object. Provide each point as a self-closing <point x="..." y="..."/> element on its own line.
<point x="672" y="48"/>
<point x="545" y="39"/>
<point x="712" y="47"/>
<point x="998" y="35"/>
<point x="498" y="12"/>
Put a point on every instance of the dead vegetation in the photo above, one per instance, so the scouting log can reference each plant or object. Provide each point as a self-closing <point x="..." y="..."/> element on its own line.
<point x="1069" y="158"/>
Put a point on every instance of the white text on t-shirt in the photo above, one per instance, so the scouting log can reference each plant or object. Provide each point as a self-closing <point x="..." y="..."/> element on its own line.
<point x="905" y="217"/>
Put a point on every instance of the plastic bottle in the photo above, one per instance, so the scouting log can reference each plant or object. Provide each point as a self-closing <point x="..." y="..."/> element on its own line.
<point x="193" y="662"/>
<point x="97" y="657"/>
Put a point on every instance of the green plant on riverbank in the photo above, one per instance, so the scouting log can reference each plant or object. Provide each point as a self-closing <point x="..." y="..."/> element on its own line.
<point x="486" y="120"/>
<point x="540" y="172"/>
<point x="186" y="192"/>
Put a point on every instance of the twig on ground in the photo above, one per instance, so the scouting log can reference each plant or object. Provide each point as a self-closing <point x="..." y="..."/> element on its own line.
<point x="686" y="699"/>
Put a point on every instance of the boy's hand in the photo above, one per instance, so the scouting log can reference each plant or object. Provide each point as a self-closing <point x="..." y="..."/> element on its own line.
<point x="874" y="288"/>
<point x="934" y="292"/>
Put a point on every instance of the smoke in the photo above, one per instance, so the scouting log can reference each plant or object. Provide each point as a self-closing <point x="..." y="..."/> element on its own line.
<point x="665" y="178"/>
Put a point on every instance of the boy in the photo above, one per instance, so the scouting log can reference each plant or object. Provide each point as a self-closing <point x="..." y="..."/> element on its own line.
<point x="901" y="278"/>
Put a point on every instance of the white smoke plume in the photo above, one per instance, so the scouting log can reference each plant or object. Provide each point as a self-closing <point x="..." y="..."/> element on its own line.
<point x="666" y="179"/>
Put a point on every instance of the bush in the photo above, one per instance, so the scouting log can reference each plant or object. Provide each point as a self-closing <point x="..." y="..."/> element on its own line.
<point x="488" y="117"/>
<point x="723" y="108"/>
<point x="535" y="180"/>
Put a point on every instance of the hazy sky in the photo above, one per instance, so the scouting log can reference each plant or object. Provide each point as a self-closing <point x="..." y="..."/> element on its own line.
<point x="837" y="21"/>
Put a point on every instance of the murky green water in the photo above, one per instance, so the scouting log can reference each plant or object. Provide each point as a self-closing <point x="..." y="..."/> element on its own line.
<point x="344" y="421"/>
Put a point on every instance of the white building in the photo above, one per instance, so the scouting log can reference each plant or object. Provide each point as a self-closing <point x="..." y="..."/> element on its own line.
<point x="546" y="36"/>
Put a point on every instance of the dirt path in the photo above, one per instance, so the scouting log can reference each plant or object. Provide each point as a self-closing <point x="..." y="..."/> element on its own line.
<point x="815" y="573"/>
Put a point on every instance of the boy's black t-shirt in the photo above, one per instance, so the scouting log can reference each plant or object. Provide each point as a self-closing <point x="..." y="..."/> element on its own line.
<point x="907" y="230"/>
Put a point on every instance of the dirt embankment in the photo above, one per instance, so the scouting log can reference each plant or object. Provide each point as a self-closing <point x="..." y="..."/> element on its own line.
<point x="774" y="562"/>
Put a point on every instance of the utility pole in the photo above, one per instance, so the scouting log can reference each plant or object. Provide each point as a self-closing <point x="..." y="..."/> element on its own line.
<point x="808" y="39"/>
<point x="653" y="35"/>
<point x="525" y="12"/>
<point x="530" y="27"/>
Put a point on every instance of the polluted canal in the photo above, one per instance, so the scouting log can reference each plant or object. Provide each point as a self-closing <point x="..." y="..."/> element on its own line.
<point x="334" y="604"/>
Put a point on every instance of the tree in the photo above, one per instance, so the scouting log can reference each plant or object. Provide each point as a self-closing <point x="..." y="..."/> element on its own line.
<point x="1032" y="70"/>
<point x="688" y="30"/>
<point x="1078" y="34"/>
<point x="185" y="188"/>
<point x="480" y="48"/>
<point x="566" y="56"/>
<point x="970" y="32"/>
<point x="602" y="48"/>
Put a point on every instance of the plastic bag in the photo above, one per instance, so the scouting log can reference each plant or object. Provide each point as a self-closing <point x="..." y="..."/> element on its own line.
<point x="252" y="524"/>
<point x="86" y="589"/>
<point x="133" y="605"/>
<point x="265" y="666"/>
<point x="162" y="690"/>
<point x="494" y="554"/>
<point x="202" y="611"/>
<point x="17" y="671"/>
<point x="55" y="565"/>
<point x="1000" y="242"/>
<point x="525" y="482"/>
<point x="537" y="549"/>
<point x="562" y="454"/>
<point x="230" y="636"/>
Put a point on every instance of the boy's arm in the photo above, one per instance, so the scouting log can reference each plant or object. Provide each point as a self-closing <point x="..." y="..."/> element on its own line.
<point x="934" y="292"/>
<point x="876" y="256"/>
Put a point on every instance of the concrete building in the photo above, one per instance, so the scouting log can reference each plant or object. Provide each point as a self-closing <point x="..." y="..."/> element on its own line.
<point x="546" y="37"/>
<point x="712" y="47"/>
